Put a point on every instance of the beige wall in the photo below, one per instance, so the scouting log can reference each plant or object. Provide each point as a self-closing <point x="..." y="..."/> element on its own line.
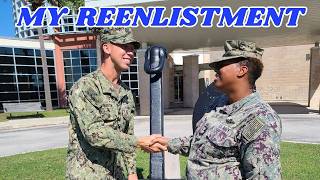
<point x="286" y="73"/>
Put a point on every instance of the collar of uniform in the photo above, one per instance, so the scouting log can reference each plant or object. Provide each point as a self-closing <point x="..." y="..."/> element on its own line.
<point x="107" y="87"/>
<point x="229" y="109"/>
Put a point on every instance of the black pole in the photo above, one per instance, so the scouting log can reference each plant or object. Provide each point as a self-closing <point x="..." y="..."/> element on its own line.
<point x="155" y="58"/>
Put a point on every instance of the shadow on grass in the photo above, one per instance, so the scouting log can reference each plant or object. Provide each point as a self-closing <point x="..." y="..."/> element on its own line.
<point x="29" y="116"/>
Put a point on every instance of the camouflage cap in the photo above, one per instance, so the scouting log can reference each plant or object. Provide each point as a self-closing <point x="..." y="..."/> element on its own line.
<point x="119" y="35"/>
<point x="239" y="48"/>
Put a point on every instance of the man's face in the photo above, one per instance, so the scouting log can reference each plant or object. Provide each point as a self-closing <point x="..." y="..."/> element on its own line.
<point x="227" y="74"/>
<point x="121" y="55"/>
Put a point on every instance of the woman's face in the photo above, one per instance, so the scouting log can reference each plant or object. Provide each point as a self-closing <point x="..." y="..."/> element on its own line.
<point x="227" y="74"/>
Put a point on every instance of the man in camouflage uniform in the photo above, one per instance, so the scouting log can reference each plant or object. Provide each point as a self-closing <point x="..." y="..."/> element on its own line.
<point x="240" y="137"/>
<point x="102" y="109"/>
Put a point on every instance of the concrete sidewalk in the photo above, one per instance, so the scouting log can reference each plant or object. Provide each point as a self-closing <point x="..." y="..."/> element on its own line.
<point x="42" y="122"/>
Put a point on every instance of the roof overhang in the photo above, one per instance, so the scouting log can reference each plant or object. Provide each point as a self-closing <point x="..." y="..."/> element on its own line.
<point x="194" y="38"/>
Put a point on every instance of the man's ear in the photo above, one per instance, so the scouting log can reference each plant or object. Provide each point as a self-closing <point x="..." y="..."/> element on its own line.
<point x="243" y="70"/>
<point x="106" y="48"/>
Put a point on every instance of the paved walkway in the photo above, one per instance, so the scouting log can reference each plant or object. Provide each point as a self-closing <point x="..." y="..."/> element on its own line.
<point x="20" y="136"/>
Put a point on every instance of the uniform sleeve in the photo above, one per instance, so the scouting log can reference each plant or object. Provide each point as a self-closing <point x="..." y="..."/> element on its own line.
<point x="261" y="152"/>
<point x="180" y="145"/>
<point x="130" y="158"/>
<point x="91" y="124"/>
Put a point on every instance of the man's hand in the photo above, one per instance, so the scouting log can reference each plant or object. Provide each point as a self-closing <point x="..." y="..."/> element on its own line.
<point x="132" y="177"/>
<point x="159" y="144"/>
<point x="145" y="142"/>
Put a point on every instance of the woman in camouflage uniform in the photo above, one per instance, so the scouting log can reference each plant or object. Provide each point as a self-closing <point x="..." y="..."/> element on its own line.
<point x="240" y="137"/>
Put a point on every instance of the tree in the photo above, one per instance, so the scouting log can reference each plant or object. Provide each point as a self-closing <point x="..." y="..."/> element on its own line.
<point x="75" y="4"/>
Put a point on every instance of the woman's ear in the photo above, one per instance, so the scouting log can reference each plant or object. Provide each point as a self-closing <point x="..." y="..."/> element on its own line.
<point x="243" y="70"/>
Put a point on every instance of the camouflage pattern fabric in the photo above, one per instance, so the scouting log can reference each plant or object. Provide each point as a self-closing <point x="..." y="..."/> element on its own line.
<point x="101" y="141"/>
<point x="236" y="141"/>
<point x="239" y="48"/>
<point x="119" y="35"/>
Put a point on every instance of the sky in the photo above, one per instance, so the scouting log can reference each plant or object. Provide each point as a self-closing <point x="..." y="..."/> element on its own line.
<point x="6" y="19"/>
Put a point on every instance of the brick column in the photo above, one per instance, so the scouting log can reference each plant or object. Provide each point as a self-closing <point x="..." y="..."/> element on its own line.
<point x="190" y="80"/>
<point x="314" y="87"/>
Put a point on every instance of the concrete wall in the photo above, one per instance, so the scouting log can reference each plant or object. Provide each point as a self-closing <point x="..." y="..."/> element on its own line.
<point x="315" y="78"/>
<point x="286" y="73"/>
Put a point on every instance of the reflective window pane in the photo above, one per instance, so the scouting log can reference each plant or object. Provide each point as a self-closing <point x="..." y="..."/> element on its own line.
<point x="23" y="52"/>
<point x="27" y="78"/>
<point x="39" y="62"/>
<point x="5" y="51"/>
<point x="76" y="62"/>
<point x="85" y="69"/>
<point x="76" y="77"/>
<point x="24" y="61"/>
<point x="84" y="61"/>
<point x="7" y="69"/>
<point x="67" y="62"/>
<point x="50" y="62"/>
<point x="93" y="53"/>
<point x="53" y="87"/>
<point x="26" y="70"/>
<point x="51" y="70"/>
<point x="93" y="61"/>
<point x="76" y="70"/>
<point x="67" y="70"/>
<point x="29" y="96"/>
<point x="84" y="53"/>
<point x="8" y="87"/>
<point x="7" y="79"/>
<point x="6" y="60"/>
<point x="75" y="54"/>
<point x="52" y="79"/>
<point x="8" y="96"/>
<point x="49" y="53"/>
<point x="28" y="87"/>
<point x="68" y="78"/>
<point x="66" y="54"/>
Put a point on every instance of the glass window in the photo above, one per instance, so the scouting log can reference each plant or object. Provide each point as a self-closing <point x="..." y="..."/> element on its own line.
<point x="93" y="61"/>
<point x="52" y="79"/>
<point x="84" y="61"/>
<point x="133" y="69"/>
<point x="49" y="53"/>
<point x="7" y="79"/>
<point x="75" y="53"/>
<point x="66" y="54"/>
<point x="124" y="77"/>
<point x="134" y="84"/>
<point x="76" y="62"/>
<point x="24" y="61"/>
<point x="68" y="78"/>
<point x="93" y="53"/>
<point x="84" y="53"/>
<point x="39" y="61"/>
<point x="26" y="70"/>
<point x="68" y="70"/>
<point x="38" y="53"/>
<point x="69" y="85"/>
<point x="5" y="51"/>
<point x="51" y="70"/>
<point x="41" y="87"/>
<point x="6" y="60"/>
<point x="85" y="69"/>
<point x="29" y="96"/>
<point x="7" y="69"/>
<point x="134" y="62"/>
<point x="8" y="96"/>
<point x="76" y="77"/>
<point x="27" y="78"/>
<point x="8" y="87"/>
<point x="54" y="95"/>
<point x="50" y="62"/>
<point x="67" y="62"/>
<point x="76" y="70"/>
<point x="23" y="52"/>
<point x="28" y="87"/>
<point x="93" y="68"/>
<point x="53" y="87"/>
<point x="133" y="76"/>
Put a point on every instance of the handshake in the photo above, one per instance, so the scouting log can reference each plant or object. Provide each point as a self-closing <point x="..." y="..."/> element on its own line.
<point x="153" y="144"/>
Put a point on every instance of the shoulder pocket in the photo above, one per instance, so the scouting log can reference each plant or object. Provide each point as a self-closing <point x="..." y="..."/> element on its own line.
<point x="253" y="129"/>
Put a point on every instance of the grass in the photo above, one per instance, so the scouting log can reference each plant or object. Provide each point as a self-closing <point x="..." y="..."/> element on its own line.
<point x="22" y="115"/>
<point x="299" y="161"/>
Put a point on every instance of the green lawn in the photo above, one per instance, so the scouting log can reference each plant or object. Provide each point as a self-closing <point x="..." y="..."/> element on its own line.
<point x="23" y="115"/>
<point x="299" y="161"/>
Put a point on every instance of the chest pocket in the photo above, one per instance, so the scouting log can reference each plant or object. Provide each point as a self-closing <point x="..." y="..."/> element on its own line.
<point x="221" y="142"/>
<point x="109" y="110"/>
